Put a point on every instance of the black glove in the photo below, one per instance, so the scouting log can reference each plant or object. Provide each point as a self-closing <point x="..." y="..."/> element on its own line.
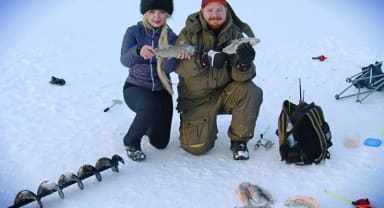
<point x="214" y="59"/>
<point x="245" y="53"/>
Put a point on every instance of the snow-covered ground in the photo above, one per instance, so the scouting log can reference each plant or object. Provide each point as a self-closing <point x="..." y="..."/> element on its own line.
<point x="47" y="130"/>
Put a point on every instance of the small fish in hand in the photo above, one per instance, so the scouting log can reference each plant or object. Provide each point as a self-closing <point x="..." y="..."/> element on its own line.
<point x="231" y="48"/>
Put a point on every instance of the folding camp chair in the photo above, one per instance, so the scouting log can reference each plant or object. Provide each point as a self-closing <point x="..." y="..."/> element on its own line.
<point x="371" y="77"/>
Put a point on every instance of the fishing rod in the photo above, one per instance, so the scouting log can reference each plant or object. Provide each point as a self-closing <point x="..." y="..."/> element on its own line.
<point x="301" y="92"/>
<point x="360" y="203"/>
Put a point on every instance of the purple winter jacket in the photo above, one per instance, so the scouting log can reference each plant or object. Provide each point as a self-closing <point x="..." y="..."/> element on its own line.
<point x="143" y="72"/>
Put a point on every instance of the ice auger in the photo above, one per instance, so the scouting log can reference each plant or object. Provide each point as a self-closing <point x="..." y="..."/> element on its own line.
<point x="66" y="179"/>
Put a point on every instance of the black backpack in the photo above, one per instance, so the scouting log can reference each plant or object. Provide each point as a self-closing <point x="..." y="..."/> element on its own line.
<point x="310" y="130"/>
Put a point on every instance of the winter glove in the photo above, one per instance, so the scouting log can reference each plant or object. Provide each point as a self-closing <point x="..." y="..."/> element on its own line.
<point x="214" y="59"/>
<point x="245" y="53"/>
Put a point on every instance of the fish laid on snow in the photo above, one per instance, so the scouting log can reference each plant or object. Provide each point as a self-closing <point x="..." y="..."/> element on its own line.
<point x="254" y="196"/>
<point x="301" y="201"/>
<point x="231" y="48"/>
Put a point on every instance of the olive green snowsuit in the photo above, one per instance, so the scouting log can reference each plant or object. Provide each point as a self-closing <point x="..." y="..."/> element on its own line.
<point x="204" y="93"/>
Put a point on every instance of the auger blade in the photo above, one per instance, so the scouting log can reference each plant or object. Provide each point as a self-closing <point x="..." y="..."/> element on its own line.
<point x="103" y="164"/>
<point x="116" y="159"/>
<point x="25" y="197"/>
<point x="68" y="178"/>
<point x="49" y="187"/>
<point x="86" y="171"/>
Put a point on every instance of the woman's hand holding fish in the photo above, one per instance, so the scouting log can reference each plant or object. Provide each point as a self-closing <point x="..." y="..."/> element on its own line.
<point x="147" y="52"/>
<point x="184" y="55"/>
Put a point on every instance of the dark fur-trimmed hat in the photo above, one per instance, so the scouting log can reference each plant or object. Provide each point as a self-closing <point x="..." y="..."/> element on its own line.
<point x="166" y="5"/>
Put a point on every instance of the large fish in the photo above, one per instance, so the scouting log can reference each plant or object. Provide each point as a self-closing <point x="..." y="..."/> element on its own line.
<point x="231" y="48"/>
<point x="171" y="51"/>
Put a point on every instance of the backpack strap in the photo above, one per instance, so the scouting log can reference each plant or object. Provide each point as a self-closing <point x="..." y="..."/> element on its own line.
<point x="282" y="126"/>
<point x="287" y="109"/>
<point x="315" y="115"/>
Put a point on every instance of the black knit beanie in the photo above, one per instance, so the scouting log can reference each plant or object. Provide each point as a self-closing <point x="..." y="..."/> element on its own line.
<point x="166" y="5"/>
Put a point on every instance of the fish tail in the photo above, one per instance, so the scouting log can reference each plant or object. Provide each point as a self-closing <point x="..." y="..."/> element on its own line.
<point x="163" y="78"/>
<point x="267" y="195"/>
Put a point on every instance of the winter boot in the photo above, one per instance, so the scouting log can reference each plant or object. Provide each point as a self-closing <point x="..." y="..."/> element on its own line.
<point x="239" y="150"/>
<point x="135" y="153"/>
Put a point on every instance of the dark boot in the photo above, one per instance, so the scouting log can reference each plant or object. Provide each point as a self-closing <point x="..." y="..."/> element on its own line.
<point x="135" y="153"/>
<point x="239" y="150"/>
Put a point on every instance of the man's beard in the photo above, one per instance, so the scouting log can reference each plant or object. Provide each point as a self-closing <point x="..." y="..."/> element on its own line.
<point x="215" y="25"/>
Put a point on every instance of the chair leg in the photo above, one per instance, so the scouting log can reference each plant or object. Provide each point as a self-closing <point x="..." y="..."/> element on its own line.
<point x="338" y="96"/>
<point x="377" y="88"/>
